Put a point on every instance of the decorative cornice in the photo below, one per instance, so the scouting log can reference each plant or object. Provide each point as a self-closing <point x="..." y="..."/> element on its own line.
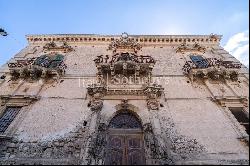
<point x="18" y="100"/>
<point x="141" y="39"/>
<point x="231" y="101"/>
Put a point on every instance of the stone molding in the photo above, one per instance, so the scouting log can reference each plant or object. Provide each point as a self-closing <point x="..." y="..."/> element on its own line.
<point x="231" y="101"/>
<point x="18" y="100"/>
<point x="104" y="39"/>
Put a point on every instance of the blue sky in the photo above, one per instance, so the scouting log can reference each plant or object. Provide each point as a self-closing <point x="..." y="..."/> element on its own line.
<point x="226" y="17"/>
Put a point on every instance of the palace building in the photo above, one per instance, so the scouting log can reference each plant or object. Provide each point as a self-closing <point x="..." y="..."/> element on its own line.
<point x="86" y="99"/>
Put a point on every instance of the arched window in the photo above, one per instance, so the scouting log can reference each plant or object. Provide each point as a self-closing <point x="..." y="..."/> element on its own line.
<point x="125" y="120"/>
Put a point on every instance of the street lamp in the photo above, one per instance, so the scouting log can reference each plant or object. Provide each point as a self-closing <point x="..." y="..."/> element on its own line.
<point x="3" y="32"/>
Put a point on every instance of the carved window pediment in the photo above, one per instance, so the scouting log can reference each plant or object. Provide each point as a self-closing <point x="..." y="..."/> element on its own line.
<point x="191" y="48"/>
<point x="125" y="120"/>
<point x="124" y="44"/>
<point x="52" y="46"/>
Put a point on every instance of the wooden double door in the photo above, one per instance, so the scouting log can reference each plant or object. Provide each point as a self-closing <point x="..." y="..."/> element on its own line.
<point x="125" y="147"/>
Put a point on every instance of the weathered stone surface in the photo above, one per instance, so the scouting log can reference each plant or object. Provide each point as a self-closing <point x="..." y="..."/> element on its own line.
<point x="68" y="125"/>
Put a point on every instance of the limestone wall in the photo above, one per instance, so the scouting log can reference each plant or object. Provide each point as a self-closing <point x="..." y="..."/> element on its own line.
<point x="62" y="116"/>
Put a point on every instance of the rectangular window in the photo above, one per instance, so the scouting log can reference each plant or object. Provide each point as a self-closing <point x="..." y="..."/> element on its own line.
<point x="199" y="61"/>
<point x="7" y="117"/>
<point x="241" y="116"/>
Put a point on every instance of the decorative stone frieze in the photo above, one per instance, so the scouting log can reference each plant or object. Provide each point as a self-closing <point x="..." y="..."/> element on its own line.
<point x="97" y="90"/>
<point x="52" y="46"/>
<point x="196" y="47"/>
<point x="137" y="92"/>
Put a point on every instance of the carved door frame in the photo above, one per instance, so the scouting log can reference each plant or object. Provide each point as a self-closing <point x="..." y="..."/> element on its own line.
<point x="126" y="135"/>
<point x="125" y="139"/>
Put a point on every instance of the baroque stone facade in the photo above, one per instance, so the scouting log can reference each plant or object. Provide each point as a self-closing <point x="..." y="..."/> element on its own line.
<point x="129" y="99"/>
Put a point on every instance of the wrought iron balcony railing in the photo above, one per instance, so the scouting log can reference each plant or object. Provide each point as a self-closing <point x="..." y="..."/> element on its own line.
<point x="212" y="68"/>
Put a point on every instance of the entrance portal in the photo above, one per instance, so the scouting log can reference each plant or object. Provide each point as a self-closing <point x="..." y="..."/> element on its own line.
<point x="125" y="141"/>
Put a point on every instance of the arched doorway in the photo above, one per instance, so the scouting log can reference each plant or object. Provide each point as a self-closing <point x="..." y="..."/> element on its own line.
<point x="125" y="144"/>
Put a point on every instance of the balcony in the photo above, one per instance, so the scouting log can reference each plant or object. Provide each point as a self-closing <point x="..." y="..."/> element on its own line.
<point x="45" y="66"/>
<point x="212" y="68"/>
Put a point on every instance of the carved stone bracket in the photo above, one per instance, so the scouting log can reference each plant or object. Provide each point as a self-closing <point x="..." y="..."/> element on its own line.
<point x="96" y="105"/>
<point x="97" y="90"/>
<point x="153" y="104"/>
<point x="124" y="104"/>
<point x="153" y="92"/>
<point x="190" y="48"/>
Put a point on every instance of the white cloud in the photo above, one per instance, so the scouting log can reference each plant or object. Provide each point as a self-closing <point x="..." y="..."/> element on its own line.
<point x="238" y="46"/>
